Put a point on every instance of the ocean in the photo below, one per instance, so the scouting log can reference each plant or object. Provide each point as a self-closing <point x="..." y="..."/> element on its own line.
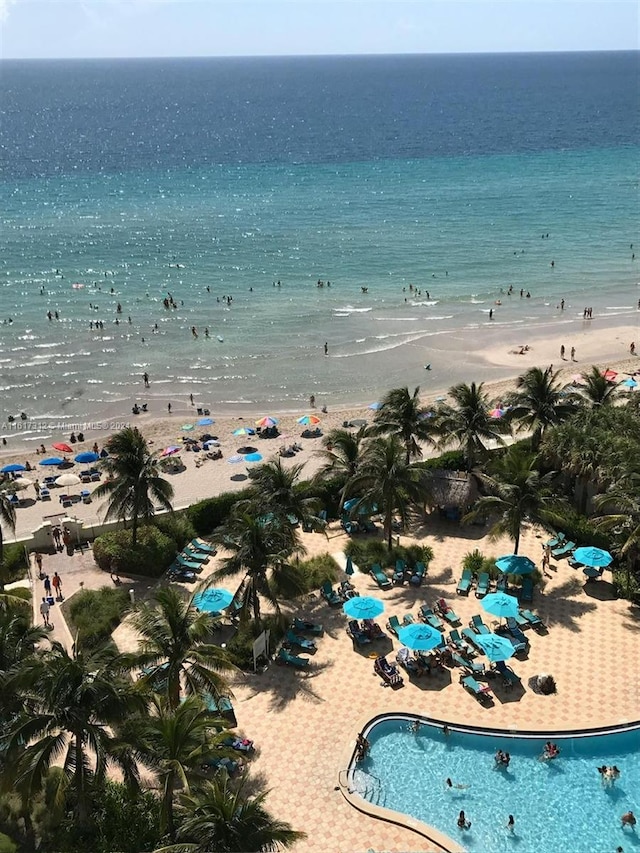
<point x="418" y="189"/>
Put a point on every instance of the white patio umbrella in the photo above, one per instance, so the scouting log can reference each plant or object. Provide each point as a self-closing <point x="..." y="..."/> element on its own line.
<point x="68" y="480"/>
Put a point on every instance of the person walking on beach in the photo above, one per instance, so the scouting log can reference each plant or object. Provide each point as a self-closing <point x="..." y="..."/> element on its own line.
<point x="632" y="348"/>
<point x="562" y="352"/>
<point x="56" y="582"/>
<point x="145" y="377"/>
<point x="44" y="612"/>
<point x="169" y="407"/>
<point x="573" y="353"/>
<point x="36" y="486"/>
<point x="312" y="401"/>
<point x="326" y="348"/>
<point x="38" y="559"/>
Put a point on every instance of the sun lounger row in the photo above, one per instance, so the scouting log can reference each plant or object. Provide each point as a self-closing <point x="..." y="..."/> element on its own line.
<point x="483" y="585"/>
<point x="367" y="632"/>
<point x="339" y="595"/>
<point x="403" y="573"/>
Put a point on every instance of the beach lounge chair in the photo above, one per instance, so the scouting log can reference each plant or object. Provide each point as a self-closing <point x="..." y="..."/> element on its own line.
<point x="483" y="585"/>
<point x="443" y="609"/>
<point x="192" y="565"/>
<point x="227" y="764"/>
<point x="465" y="663"/>
<point x="413" y="667"/>
<point x="177" y="573"/>
<point x="427" y="615"/>
<point x="329" y="594"/>
<point x="526" y="590"/>
<point x="509" y="676"/>
<point x="398" y="575"/>
<point x="418" y="574"/>
<point x="372" y="630"/>
<point x="518" y="644"/>
<point x="534" y="620"/>
<point x="515" y="631"/>
<point x="521" y="621"/>
<point x="480" y="691"/>
<point x="221" y="706"/>
<point x="478" y="625"/>
<point x="192" y="554"/>
<point x="388" y="672"/>
<point x="348" y="590"/>
<point x="356" y="633"/>
<point x="293" y="639"/>
<point x="502" y="583"/>
<point x="470" y="637"/>
<point x="556" y="541"/>
<point x="459" y="644"/>
<point x="408" y="619"/>
<point x="285" y="657"/>
<point x="394" y="625"/>
<point x="464" y="584"/>
<point x="307" y="627"/>
<point x="45" y="494"/>
<point x="563" y="550"/>
<point x="379" y="576"/>
<point x="203" y="546"/>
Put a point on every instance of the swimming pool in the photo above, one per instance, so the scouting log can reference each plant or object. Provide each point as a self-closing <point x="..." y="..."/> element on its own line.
<point x="559" y="806"/>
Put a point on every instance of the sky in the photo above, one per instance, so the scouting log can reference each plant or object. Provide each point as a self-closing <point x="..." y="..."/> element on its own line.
<point x="37" y="29"/>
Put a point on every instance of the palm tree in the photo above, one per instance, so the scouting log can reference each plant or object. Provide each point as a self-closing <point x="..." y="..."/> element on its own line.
<point x="621" y="504"/>
<point x="134" y="484"/>
<point x="8" y="520"/>
<point x="468" y="422"/>
<point x="221" y="817"/>
<point x="385" y="480"/>
<point x="278" y="489"/>
<point x="402" y="415"/>
<point x="577" y="448"/>
<point x="597" y="390"/>
<point x="18" y="640"/>
<point x="519" y="493"/>
<point x="261" y="548"/>
<point x="176" y="648"/>
<point x="71" y="706"/>
<point x="341" y="452"/>
<point x="539" y="402"/>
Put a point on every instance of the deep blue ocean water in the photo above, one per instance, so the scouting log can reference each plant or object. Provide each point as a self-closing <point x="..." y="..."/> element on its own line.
<point x="441" y="172"/>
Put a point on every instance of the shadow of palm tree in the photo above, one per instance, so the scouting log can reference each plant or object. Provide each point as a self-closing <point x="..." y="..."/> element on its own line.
<point x="287" y="683"/>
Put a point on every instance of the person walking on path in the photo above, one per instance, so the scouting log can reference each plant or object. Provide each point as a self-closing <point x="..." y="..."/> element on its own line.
<point x="56" y="537"/>
<point x="56" y="582"/>
<point x="47" y="585"/>
<point x="44" y="611"/>
<point x="38" y="559"/>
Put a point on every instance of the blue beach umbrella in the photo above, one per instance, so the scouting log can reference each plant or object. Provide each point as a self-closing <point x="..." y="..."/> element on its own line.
<point x="213" y="600"/>
<point x="12" y="468"/>
<point x="495" y="648"/>
<point x="253" y="457"/>
<point x="244" y="431"/>
<point x="515" y="564"/>
<point x="52" y="460"/>
<point x="349" y="565"/>
<point x="629" y="383"/>
<point x="375" y="407"/>
<point x="364" y="607"/>
<point x="363" y="509"/>
<point x="419" y="637"/>
<point x="205" y="422"/>
<point x="87" y="456"/>
<point x="594" y="557"/>
<point x="500" y="604"/>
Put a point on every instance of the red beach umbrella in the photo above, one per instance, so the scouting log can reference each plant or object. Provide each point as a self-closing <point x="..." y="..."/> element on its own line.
<point x="62" y="447"/>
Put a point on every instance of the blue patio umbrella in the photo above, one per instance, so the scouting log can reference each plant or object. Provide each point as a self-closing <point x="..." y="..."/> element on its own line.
<point x="205" y="422"/>
<point x="253" y="457"/>
<point x="364" y="607"/>
<point x="363" y="509"/>
<point x="594" y="557"/>
<point x="630" y="383"/>
<point x="213" y="600"/>
<point x="515" y="564"/>
<point x="87" y="456"/>
<point x="244" y="431"/>
<point x="500" y="604"/>
<point x="52" y="460"/>
<point x="375" y="407"/>
<point x="349" y="565"/>
<point x="495" y="648"/>
<point x="12" y="468"/>
<point x="420" y="637"/>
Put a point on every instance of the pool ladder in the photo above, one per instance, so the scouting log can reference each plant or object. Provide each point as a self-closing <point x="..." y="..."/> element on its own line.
<point x="372" y="789"/>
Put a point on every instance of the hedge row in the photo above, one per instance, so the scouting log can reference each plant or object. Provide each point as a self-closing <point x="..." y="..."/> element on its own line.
<point x="95" y="613"/>
<point x="152" y="555"/>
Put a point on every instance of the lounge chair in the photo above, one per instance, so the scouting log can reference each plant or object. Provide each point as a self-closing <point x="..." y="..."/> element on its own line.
<point x="178" y="573"/>
<point x="518" y="644"/>
<point x="510" y="677"/>
<point x="414" y="668"/>
<point x="348" y="590"/>
<point x="526" y="590"/>
<point x="379" y="577"/>
<point x="372" y="630"/>
<point x="480" y="691"/>
<point x="203" y="546"/>
<point x="563" y="550"/>
<point x="521" y="621"/>
<point x="514" y="630"/>
<point x="329" y="594"/>
<point x="483" y="585"/>
<point x="427" y="615"/>
<point x="356" y="633"/>
<point x="418" y="574"/>
<point x="192" y="565"/>
<point x="478" y="625"/>
<point x="471" y="637"/>
<point x="464" y="584"/>
<point x="465" y="663"/>
<point x="293" y="639"/>
<point x="221" y="706"/>
<point x="556" y="541"/>
<point x="398" y="575"/>
<point x="394" y="625"/>
<point x="408" y="619"/>
<point x="239" y="744"/>
<point x="443" y="609"/>
<point x="535" y="621"/>
<point x="191" y="554"/>
<point x="502" y="583"/>
<point x="388" y="672"/>
<point x="461" y="645"/>
<point x="292" y="660"/>
<point x="575" y="564"/>
<point x="307" y="627"/>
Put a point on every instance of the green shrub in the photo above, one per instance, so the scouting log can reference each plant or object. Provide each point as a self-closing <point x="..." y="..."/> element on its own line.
<point x="14" y="563"/>
<point x="316" y="570"/>
<point x="177" y="526"/>
<point x="627" y="585"/>
<point x="208" y="514"/>
<point x="451" y="460"/>
<point x="6" y="844"/>
<point x="95" y="613"/>
<point x="153" y="554"/>
<point x="366" y="552"/>
<point x="240" y="647"/>
<point x="581" y="530"/>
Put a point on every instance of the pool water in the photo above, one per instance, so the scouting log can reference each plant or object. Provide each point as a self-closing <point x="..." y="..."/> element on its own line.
<point x="559" y="806"/>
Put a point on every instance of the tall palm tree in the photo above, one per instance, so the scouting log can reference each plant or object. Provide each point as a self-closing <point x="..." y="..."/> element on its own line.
<point x="467" y="422"/>
<point x="72" y="704"/>
<point x="261" y="548"/>
<point x="581" y="454"/>
<point x="221" y="817"/>
<point x="621" y="515"/>
<point x="278" y="489"/>
<point x="134" y="484"/>
<point x="176" y="648"/>
<point x="539" y="402"/>
<point x="18" y="640"/>
<point x="8" y="520"/>
<point x="597" y="390"/>
<point x="402" y="415"/>
<point x="519" y="493"/>
<point x="385" y="479"/>
<point x="341" y="453"/>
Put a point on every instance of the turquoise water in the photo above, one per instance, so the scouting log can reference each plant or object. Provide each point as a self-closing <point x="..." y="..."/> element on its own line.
<point x="558" y="806"/>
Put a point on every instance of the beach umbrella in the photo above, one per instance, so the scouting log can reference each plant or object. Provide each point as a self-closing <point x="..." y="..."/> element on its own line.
<point x="309" y="420"/>
<point x="500" y="604"/>
<point x="594" y="557"/>
<point x="213" y="600"/>
<point x="253" y="457"/>
<point x="375" y="407"/>
<point x="205" y="421"/>
<point x="364" y="509"/>
<point x="68" y="480"/>
<point x="233" y="460"/>
<point x="592" y="572"/>
<point x="246" y="448"/>
<point x="52" y="460"/>
<point x="20" y="483"/>
<point x="87" y="456"/>
<point x="244" y="431"/>
<point x="363" y="607"/>
<point x="497" y="413"/>
<point x="12" y="468"/>
<point x="349" y="565"/>
<point x="495" y="648"/>
<point x="515" y="564"/>
<point x="630" y="383"/>
<point x="169" y="451"/>
<point x="267" y="422"/>
<point x="62" y="447"/>
<point x="609" y="374"/>
<point x="186" y="427"/>
<point x="419" y="637"/>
